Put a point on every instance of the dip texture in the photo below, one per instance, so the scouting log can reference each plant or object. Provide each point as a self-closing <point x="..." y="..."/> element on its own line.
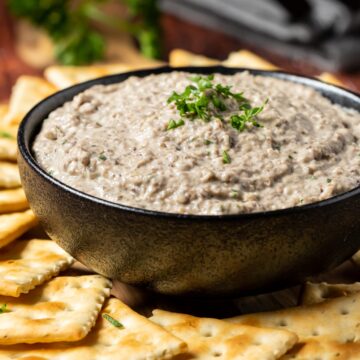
<point x="112" y="142"/>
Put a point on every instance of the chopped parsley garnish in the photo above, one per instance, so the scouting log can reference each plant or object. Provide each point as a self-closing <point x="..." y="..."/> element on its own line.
<point x="3" y="308"/>
<point x="175" y="124"/>
<point x="234" y="193"/>
<point x="6" y="135"/>
<point x="328" y="180"/>
<point x="113" y="321"/>
<point x="248" y="116"/>
<point x="226" y="157"/>
<point x="102" y="157"/>
<point x="207" y="142"/>
<point x="203" y="100"/>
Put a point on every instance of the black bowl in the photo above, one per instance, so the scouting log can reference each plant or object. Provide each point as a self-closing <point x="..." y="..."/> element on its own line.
<point x="191" y="254"/>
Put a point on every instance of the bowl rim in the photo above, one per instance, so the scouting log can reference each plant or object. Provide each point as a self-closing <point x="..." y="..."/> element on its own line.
<point x="25" y="152"/>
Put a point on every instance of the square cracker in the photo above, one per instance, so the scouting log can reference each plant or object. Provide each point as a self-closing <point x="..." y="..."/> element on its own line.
<point x="64" y="76"/>
<point x="14" y="225"/>
<point x="29" y="263"/>
<point x="8" y="149"/>
<point x="13" y="200"/>
<point x="332" y="324"/>
<point x="140" y="339"/>
<point x="209" y="338"/>
<point x="27" y="92"/>
<point x="64" y="309"/>
<point x="324" y="350"/>
<point x="314" y="293"/>
<point x="179" y="57"/>
<point x="247" y="59"/>
<point x="9" y="175"/>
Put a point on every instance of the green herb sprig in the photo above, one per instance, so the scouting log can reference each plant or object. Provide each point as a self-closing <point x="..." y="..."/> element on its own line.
<point x="204" y="100"/>
<point x="3" y="308"/>
<point x="71" y="26"/>
<point x="226" y="157"/>
<point x="6" y="135"/>
<point x="113" y="321"/>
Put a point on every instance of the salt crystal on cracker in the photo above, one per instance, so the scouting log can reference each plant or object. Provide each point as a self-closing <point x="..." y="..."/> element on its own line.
<point x="26" y="264"/>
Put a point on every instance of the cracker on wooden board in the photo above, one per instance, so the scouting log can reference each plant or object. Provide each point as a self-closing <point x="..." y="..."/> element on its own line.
<point x="9" y="175"/>
<point x="179" y="57"/>
<point x="247" y="59"/>
<point x="29" y="263"/>
<point x="12" y="200"/>
<point x="14" y="225"/>
<point x="64" y="76"/>
<point x="314" y="293"/>
<point x="8" y="149"/>
<point x="26" y="93"/>
<point x="334" y="322"/>
<point x="64" y="309"/>
<point x="324" y="350"/>
<point x="209" y="338"/>
<point x="356" y="258"/>
<point x="331" y="79"/>
<point x="4" y="108"/>
<point x="139" y="339"/>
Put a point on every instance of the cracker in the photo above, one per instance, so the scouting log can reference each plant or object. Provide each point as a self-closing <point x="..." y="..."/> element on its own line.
<point x="14" y="225"/>
<point x="179" y="57"/>
<point x="64" y="309"/>
<point x="9" y="175"/>
<point x="247" y="59"/>
<point x="324" y="350"/>
<point x="4" y="108"/>
<point x="356" y="258"/>
<point x="13" y="200"/>
<point x="209" y="338"/>
<point x="29" y="263"/>
<point x="139" y="339"/>
<point x="335" y="320"/>
<point x="8" y="149"/>
<point x="27" y="92"/>
<point x="317" y="293"/>
<point x="64" y="76"/>
<point x="331" y="79"/>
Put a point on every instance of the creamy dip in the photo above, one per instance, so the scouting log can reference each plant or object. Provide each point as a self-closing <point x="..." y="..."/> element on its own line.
<point x="112" y="142"/>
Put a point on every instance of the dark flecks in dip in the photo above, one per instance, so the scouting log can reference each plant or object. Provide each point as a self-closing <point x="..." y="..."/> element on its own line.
<point x="186" y="169"/>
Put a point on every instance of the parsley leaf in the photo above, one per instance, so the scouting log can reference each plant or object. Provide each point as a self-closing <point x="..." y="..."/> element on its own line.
<point x="204" y="100"/>
<point x="226" y="157"/>
<point x="6" y="135"/>
<point x="102" y="157"/>
<point x="113" y="321"/>
<point x="3" y="308"/>
<point x="175" y="124"/>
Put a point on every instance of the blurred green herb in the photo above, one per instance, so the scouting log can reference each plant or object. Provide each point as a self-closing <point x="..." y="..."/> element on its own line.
<point x="70" y="25"/>
<point x="6" y="135"/>
<point x="226" y="157"/>
<point x="3" y="308"/>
